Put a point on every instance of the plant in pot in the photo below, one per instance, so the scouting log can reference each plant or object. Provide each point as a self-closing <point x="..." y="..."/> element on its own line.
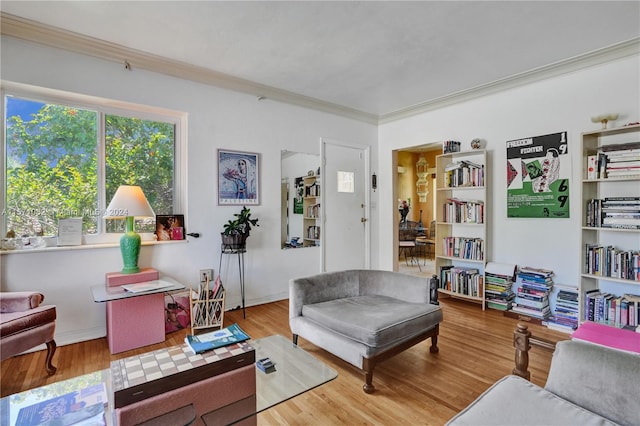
<point x="237" y="230"/>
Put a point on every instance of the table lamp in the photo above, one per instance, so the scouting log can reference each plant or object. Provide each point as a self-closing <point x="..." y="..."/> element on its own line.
<point x="129" y="202"/>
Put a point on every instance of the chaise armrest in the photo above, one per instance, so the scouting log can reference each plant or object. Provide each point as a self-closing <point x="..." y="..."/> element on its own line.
<point x="321" y="288"/>
<point x="19" y="301"/>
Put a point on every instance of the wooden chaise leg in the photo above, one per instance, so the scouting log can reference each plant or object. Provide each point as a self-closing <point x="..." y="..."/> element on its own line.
<point x="51" y="349"/>
<point x="521" y="338"/>
<point x="369" y="365"/>
<point x="434" y="340"/>
<point x="295" y="339"/>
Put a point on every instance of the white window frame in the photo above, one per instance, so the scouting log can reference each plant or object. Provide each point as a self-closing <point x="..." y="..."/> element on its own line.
<point x="104" y="107"/>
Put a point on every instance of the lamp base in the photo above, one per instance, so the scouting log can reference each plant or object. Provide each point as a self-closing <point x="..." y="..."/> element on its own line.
<point x="130" y="248"/>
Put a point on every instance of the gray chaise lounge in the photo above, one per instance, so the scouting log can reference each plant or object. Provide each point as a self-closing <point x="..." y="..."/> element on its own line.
<point x="363" y="316"/>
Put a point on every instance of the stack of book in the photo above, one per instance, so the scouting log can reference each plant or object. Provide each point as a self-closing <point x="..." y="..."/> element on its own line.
<point x="565" y="315"/>
<point x="463" y="211"/>
<point x="463" y="173"/>
<point x="532" y="294"/>
<point x="608" y="261"/>
<point x="606" y="308"/>
<point x="619" y="161"/>
<point x="498" y="290"/>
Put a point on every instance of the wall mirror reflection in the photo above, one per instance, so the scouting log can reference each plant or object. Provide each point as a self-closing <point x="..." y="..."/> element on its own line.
<point x="300" y="200"/>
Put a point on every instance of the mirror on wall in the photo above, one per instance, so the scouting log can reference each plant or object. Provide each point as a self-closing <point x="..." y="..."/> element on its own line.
<point x="296" y="168"/>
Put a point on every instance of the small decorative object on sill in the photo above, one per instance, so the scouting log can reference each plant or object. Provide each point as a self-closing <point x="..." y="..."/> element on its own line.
<point x="451" y="146"/>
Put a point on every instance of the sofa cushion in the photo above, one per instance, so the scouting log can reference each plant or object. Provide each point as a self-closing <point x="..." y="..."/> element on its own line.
<point x="514" y="401"/>
<point x="18" y="322"/>
<point x="374" y="320"/>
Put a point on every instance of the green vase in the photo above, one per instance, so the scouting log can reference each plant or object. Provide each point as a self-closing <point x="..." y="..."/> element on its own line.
<point x="130" y="248"/>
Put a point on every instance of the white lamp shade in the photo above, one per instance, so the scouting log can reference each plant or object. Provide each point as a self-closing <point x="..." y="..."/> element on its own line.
<point x="128" y="201"/>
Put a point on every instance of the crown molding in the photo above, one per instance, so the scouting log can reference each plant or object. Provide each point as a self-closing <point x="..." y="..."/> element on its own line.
<point x="25" y="29"/>
<point x="14" y="26"/>
<point x="596" y="57"/>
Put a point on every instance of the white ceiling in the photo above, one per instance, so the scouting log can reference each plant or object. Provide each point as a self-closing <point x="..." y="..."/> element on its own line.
<point x="376" y="57"/>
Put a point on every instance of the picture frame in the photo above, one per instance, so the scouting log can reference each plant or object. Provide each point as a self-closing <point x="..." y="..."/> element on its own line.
<point x="238" y="178"/>
<point x="170" y="227"/>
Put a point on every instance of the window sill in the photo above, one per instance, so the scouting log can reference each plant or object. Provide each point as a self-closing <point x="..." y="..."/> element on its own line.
<point x="84" y="247"/>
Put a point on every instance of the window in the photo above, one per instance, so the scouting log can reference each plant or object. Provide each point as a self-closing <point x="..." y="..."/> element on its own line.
<point x="66" y="155"/>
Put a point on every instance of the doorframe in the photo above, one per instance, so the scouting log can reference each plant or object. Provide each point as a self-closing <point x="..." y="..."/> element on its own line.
<point x="367" y="198"/>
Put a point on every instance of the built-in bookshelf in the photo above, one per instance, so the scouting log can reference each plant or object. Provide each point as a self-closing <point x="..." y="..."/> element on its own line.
<point x="311" y="211"/>
<point x="461" y="224"/>
<point x="610" y="225"/>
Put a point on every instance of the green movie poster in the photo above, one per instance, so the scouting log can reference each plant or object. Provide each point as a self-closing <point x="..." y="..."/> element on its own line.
<point x="297" y="200"/>
<point x="538" y="171"/>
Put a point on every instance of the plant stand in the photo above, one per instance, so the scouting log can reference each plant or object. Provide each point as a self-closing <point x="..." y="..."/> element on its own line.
<point x="207" y="311"/>
<point x="239" y="250"/>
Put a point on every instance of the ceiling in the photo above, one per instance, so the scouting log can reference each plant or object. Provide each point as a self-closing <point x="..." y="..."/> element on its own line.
<point x="377" y="57"/>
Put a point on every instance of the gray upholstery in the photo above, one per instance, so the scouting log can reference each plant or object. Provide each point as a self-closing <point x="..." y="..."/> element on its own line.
<point x="587" y="385"/>
<point x="359" y="315"/>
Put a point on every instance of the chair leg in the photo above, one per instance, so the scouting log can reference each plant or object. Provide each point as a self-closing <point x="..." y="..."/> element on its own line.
<point x="51" y="349"/>
<point x="295" y="339"/>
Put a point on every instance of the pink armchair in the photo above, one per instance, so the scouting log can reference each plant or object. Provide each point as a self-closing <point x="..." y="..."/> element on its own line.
<point x="24" y="324"/>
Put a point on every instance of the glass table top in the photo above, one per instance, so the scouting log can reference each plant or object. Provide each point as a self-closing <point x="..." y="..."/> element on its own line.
<point x="102" y="293"/>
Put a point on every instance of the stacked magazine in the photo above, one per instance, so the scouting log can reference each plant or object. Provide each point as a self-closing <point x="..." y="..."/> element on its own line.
<point x="533" y="286"/>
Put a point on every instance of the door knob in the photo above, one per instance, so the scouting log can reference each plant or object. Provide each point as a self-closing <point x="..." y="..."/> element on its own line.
<point x="363" y="219"/>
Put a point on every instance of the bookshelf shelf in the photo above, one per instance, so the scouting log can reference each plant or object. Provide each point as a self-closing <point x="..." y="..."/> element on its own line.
<point x="611" y="200"/>
<point x="311" y="209"/>
<point x="461" y="224"/>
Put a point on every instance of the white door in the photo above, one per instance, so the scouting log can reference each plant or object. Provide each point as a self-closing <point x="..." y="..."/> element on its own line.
<point x="345" y="206"/>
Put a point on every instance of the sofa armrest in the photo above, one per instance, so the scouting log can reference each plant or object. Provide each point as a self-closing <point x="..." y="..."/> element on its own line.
<point x="408" y="288"/>
<point x="321" y="288"/>
<point x="20" y="301"/>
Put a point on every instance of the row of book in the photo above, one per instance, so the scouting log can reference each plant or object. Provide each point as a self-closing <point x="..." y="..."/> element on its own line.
<point x="312" y="190"/>
<point x="608" y="261"/>
<point x="533" y="286"/>
<point x="313" y="211"/>
<point x="463" y="247"/>
<point x="617" y="161"/>
<point x="618" y="311"/>
<point x="566" y="313"/>
<point x="463" y="211"/>
<point x="614" y="212"/>
<point x="313" y="232"/>
<point x="463" y="173"/>
<point x="498" y="290"/>
<point x="466" y="281"/>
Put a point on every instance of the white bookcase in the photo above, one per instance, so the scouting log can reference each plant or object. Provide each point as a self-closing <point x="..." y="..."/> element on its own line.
<point x="461" y="220"/>
<point x="594" y="235"/>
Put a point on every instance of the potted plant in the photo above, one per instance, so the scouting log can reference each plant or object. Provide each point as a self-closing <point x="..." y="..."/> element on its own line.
<point x="237" y="230"/>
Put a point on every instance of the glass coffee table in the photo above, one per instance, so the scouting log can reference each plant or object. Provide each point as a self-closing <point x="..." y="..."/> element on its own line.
<point x="297" y="372"/>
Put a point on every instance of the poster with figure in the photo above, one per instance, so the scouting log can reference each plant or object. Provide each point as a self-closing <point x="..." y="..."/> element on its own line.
<point x="538" y="172"/>
<point x="238" y="176"/>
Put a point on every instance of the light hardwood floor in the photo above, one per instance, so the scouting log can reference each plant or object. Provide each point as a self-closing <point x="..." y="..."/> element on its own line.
<point x="415" y="387"/>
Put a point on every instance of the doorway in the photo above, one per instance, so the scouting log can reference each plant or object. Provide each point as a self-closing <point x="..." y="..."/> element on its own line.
<point x="414" y="217"/>
<point x="345" y="206"/>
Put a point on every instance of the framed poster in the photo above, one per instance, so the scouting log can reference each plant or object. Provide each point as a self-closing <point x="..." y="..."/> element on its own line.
<point x="169" y="227"/>
<point x="538" y="171"/>
<point x="238" y="175"/>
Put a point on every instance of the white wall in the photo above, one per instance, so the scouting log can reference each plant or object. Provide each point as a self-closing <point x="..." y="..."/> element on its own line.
<point x="564" y="103"/>
<point x="217" y="119"/>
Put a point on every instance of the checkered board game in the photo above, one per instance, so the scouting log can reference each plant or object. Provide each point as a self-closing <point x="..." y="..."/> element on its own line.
<point x="140" y="369"/>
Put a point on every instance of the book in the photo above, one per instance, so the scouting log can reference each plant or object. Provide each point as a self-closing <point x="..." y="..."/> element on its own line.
<point x="82" y="407"/>
<point x="216" y="339"/>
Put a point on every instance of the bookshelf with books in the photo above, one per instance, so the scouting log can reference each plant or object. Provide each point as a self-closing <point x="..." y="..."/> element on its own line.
<point x="311" y="211"/>
<point x="610" y="224"/>
<point x="461" y="224"/>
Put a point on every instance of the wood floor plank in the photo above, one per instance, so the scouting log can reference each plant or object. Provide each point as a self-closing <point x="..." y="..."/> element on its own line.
<point x="414" y="387"/>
